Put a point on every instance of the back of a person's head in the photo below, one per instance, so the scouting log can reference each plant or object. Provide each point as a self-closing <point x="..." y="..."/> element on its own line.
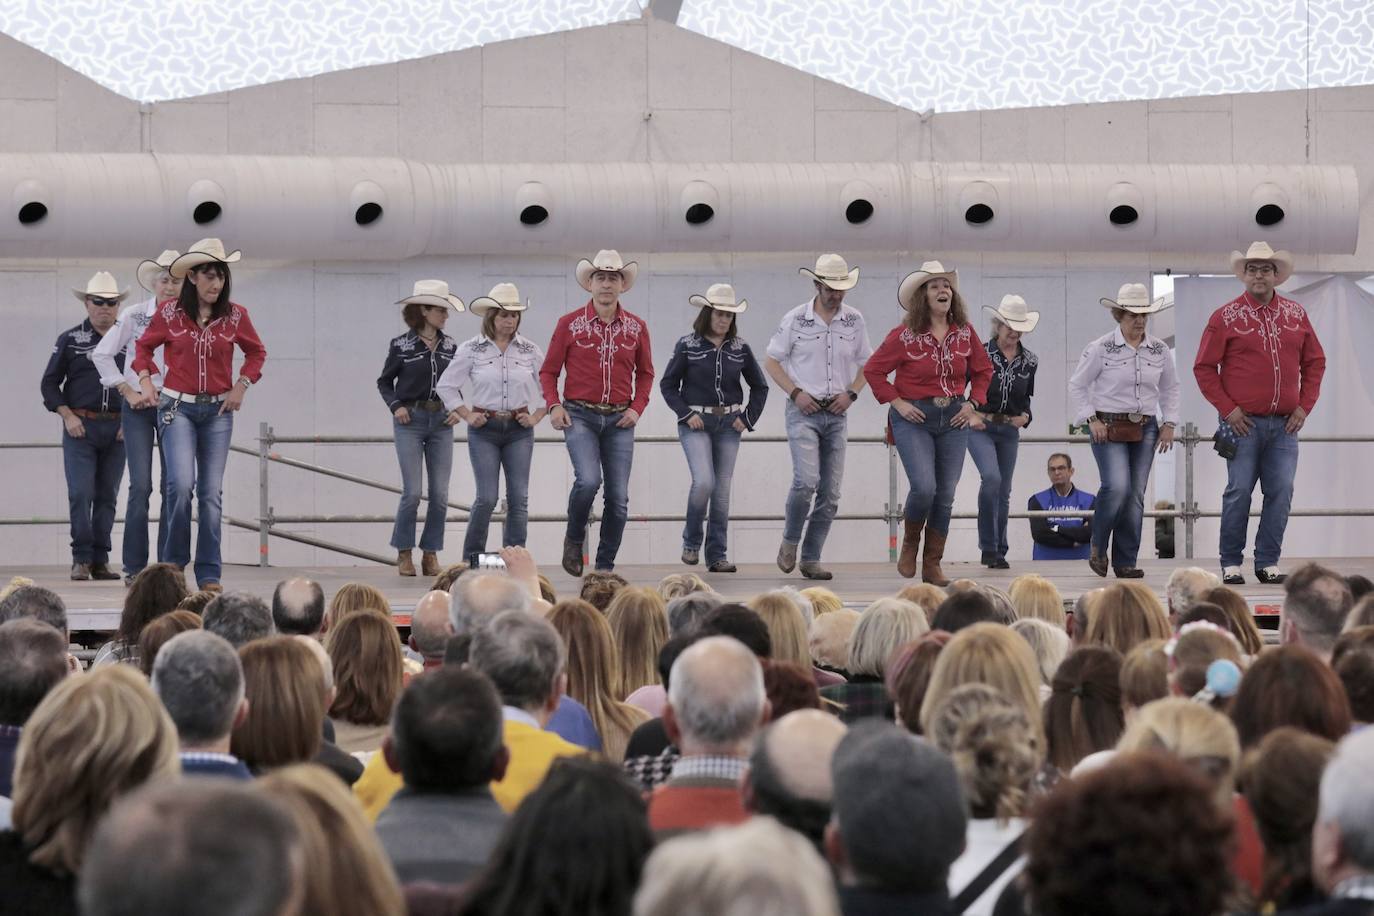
<point x="1049" y="643"/>
<point x="1186" y="586"/>
<point x="829" y="636"/>
<point x="298" y="607"/>
<point x="33" y="660"/>
<point x="212" y="846"/>
<point x="156" y="590"/>
<point x="522" y="654"/>
<point x="238" y="617"/>
<point x="446" y="732"/>
<point x="1205" y="612"/>
<point x="639" y="628"/>
<point x="37" y="602"/>
<point x="1290" y="685"/>
<point x="823" y="600"/>
<point x="480" y="596"/>
<point x="199" y="679"/>
<point x="986" y="653"/>
<point x="1125" y="614"/>
<point x="286" y="696"/>
<point x="593" y="664"/>
<point x="1359" y="585"/>
<point x="738" y="622"/>
<point x="994" y="747"/>
<point x="1034" y="596"/>
<point x="431" y="625"/>
<point x="1281" y="778"/>
<point x="786" y="626"/>
<point x="675" y="585"/>
<point x="1083" y="714"/>
<point x="1101" y="842"/>
<point x="92" y="739"/>
<point x="886" y="780"/>
<point x="1192" y="732"/>
<point x="447" y="576"/>
<point x="1316" y="601"/>
<point x="1352" y="659"/>
<point x="598" y="588"/>
<point x="963" y="609"/>
<point x="1192" y="652"/>
<point x="926" y="596"/>
<point x="687" y="611"/>
<point x="758" y="868"/>
<point x="1239" y="620"/>
<point x="1346" y="804"/>
<point x="716" y="695"/>
<point x="1081" y="612"/>
<point x="1145" y="674"/>
<point x="789" y="771"/>
<point x="908" y="678"/>
<point x="157" y="634"/>
<point x="368" y="668"/>
<point x="356" y="596"/>
<point x="196" y="602"/>
<point x="1361" y="613"/>
<point x="789" y="687"/>
<point x="885" y="625"/>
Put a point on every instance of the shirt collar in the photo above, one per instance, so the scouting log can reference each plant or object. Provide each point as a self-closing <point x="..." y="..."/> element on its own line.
<point x="1256" y="304"/>
<point x="590" y="312"/>
<point x="516" y="714"/>
<point x="709" y="766"/>
<point x="811" y="310"/>
<point x="209" y="757"/>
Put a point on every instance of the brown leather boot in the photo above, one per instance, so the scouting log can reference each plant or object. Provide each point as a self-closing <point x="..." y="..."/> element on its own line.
<point x="429" y="564"/>
<point x="911" y="545"/>
<point x="404" y="564"/>
<point x="931" y="555"/>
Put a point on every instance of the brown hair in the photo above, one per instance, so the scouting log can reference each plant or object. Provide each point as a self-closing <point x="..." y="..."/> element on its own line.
<point x="1238" y="619"/>
<point x="1267" y="697"/>
<point x="546" y="590"/>
<point x="366" y="652"/>
<point x="598" y="588"/>
<point x="786" y="627"/>
<point x="196" y="602"/>
<point x="593" y="670"/>
<point x="1083" y="714"/>
<point x="1145" y="674"/>
<point x="356" y="596"/>
<point x="1352" y="659"/>
<point x="158" y="631"/>
<point x="286" y="695"/>
<point x="449" y="575"/>
<point x="789" y="687"/>
<point x="908" y="677"/>
<point x="1194" y="651"/>
<point x="155" y="591"/>
<point x="702" y="325"/>
<point x="918" y="316"/>
<point x="925" y="596"/>
<point x="413" y="314"/>
<point x="639" y="628"/>
<point x="1125" y="614"/>
<point x="489" y="322"/>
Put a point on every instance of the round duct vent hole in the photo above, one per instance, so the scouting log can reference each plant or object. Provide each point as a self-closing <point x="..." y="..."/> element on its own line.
<point x="978" y="214"/>
<point x="367" y="214"/>
<point x="206" y="212"/>
<point x="1123" y="215"/>
<point x="858" y="212"/>
<point x="1269" y="215"/>
<point x="699" y="214"/>
<point x="533" y="215"/>
<point x="32" y="212"/>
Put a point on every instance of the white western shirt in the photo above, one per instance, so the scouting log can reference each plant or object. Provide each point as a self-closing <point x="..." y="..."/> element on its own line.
<point x="824" y="359"/>
<point x="129" y="327"/>
<point x="1114" y="378"/>
<point x="480" y="375"/>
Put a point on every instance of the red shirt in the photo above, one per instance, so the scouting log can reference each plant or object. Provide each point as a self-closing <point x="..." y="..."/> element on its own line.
<point x="200" y="360"/>
<point x="1264" y="359"/>
<point x="927" y="368"/>
<point x="606" y="363"/>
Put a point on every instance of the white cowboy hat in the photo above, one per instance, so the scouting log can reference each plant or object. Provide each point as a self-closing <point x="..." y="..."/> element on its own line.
<point x="720" y="296"/>
<point x="432" y="292"/>
<point x="833" y="271"/>
<point x="206" y="251"/>
<point x="149" y="270"/>
<point x="930" y="270"/>
<point x="1260" y="251"/>
<point x="1013" y="313"/>
<point x="607" y="259"/>
<point x="1135" y="298"/>
<point x="503" y="297"/>
<point x="102" y="285"/>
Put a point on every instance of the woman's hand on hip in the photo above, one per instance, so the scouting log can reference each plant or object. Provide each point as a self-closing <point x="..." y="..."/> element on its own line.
<point x="695" y="422"/>
<point x="402" y="415"/>
<point x="739" y="425"/>
<point x="1098" y="430"/>
<point x="233" y="401"/>
<point x="908" y="411"/>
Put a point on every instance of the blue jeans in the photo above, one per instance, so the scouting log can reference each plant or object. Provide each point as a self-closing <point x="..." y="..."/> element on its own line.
<point x="599" y="450"/>
<point x="492" y="447"/>
<point x="1268" y="455"/>
<point x="94" y="465"/>
<point x="932" y="454"/>
<point x="1124" y="468"/>
<point x="817" y="444"/>
<point x="195" y="447"/>
<point x="994" y="454"/>
<point x="424" y="446"/>
<point x="140" y="433"/>
<point x="710" y="455"/>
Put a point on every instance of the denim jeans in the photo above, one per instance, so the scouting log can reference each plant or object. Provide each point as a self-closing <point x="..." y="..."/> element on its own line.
<point x="817" y="444"/>
<point x="599" y="449"/>
<point x="1124" y="469"/>
<point x="424" y="447"/>
<point x="994" y="454"/>
<point x="710" y="455"/>
<point x="493" y="447"/>
<point x="140" y="433"/>
<point x="932" y="454"/>
<point x="94" y="465"/>
<point x="1268" y="455"/>
<point x="195" y="447"/>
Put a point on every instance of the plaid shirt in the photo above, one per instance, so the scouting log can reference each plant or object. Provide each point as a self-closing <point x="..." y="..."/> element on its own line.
<point x="651" y="771"/>
<point x="860" y="699"/>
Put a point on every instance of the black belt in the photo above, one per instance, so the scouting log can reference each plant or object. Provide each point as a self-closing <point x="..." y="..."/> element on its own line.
<point x="603" y="409"/>
<point x="1123" y="417"/>
<point x="431" y="406"/>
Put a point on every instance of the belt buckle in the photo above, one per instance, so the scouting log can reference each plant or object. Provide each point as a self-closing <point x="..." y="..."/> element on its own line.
<point x="1135" y="417"/>
<point x="205" y="399"/>
<point x="942" y="401"/>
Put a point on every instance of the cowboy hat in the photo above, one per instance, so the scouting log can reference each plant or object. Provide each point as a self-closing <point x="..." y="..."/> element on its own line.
<point x="720" y="296"/>
<point x="149" y="270"/>
<point x="930" y="270"/>
<point x="101" y="285"/>
<point x="1260" y="251"/>
<point x="1013" y="313"/>
<point x="833" y="271"/>
<point x="608" y="260"/>
<point x="432" y="292"/>
<point x="206" y="251"/>
<point x="1135" y="298"/>
<point x="503" y="297"/>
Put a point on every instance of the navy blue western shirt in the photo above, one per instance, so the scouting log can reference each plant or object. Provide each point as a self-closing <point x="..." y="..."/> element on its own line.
<point x="71" y="379"/>
<point x="412" y="370"/>
<point x="703" y="375"/>
<point x="1013" y="381"/>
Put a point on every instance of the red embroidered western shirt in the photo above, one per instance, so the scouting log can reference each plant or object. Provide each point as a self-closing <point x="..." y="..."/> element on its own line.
<point x="1265" y="359"/>
<point x="927" y="368"/>
<point x="200" y="360"/>
<point x="606" y="363"/>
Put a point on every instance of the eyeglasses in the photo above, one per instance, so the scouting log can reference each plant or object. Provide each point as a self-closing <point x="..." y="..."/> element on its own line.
<point x="1259" y="269"/>
<point x="99" y="300"/>
<point x="1055" y="468"/>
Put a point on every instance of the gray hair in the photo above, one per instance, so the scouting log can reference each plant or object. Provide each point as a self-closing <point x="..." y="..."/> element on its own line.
<point x="829" y="636"/>
<point x="1347" y="797"/>
<point x="716" y="690"/>
<point x="1316" y="601"/>
<point x="686" y="612"/>
<point x="803" y="603"/>
<point x="884" y="625"/>
<point x="1186" y="586"/>
<point x="429" y="626"/>
<point x="198" y="677"/>
<point x="522" y="654"/>
<point x="1001" y="604"/>
<point x="1049" y="643"/>
<point x="477" y="596"/>
<point x="238" y="617"/>
<point x="37" y="602"/>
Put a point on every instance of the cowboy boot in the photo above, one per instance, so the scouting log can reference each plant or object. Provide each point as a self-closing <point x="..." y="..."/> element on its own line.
<point x="931" y="556"/>
<point x="911" y="543"/>
<point x="429" y="564"/>
<point x="404" y="564"/>
<point x="1097" y="562"/>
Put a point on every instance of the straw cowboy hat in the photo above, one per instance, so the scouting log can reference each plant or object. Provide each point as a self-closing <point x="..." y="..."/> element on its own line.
<point x="833" y="271"/>
<point x="607" y="259"/>
<point x="101" y="285"/>
<point x="150" y="270"/>
<point x="1135" y="298"/>
<point x="504" y="297"/>
<point x="1260" y="251"/>
<point x="206" y="251"/>
<point x="930" y="270"/>
<point x="432" y="292"/>
<point x="719" y="296"/>
<point x="1013" y="313"/>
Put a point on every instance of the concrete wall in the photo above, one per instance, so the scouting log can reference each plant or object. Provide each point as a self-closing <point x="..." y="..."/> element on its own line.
<point x="643" y="91"/>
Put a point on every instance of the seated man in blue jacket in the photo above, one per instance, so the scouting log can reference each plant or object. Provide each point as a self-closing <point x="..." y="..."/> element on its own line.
<point x="1061" y="538"/>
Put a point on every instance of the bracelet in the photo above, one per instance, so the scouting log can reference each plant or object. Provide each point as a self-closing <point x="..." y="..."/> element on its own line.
<point x="246" y="382"/>
<point x="792" y="395"/>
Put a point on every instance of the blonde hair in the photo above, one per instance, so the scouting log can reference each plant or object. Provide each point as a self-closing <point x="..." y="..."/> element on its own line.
<point x="926" y="596"/>
<point x="1144" y="674"/>
<point x="346" y="870"/>
<point x="593" y="670"/>
<point x="93" y="739"/>
<point x="884" y="625"/>
<point x="355" y="596"/>
<point x="639" y="628"/>
<point x="987" y="653"/>
<point x="1035" y="596"/>
<point x="675" y="585"/>
<point x="1196" y="734"/>
<point x="829" y="635"/>
<point x="1049" y="643"/>
<point x="786" y="627"/>
<point x="994" y="746"/>
<point x="1125" y="614"/>
<point x="366" y="652"/>
<point x="823" y="600"/>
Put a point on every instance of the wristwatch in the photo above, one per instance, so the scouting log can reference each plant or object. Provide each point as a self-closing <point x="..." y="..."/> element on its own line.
<point x="853" y="396"/>
<point x="792" y="395"/>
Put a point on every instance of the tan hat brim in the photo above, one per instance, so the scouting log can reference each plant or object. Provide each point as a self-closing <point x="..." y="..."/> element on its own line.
<point x="846" y="283"/>
<point x="913" y="281"/>
<point x="193" y="259"/>
<point x="585" y="269"/>
<point x="483" y="304"/>
<point x="1025" y="327"/>
<point x="702" y="302"/>
<point x="1158" y="305"/>
<point x="1282" y="261"/>
<point x="147" y="274"/>
<point x="443" y="302"/>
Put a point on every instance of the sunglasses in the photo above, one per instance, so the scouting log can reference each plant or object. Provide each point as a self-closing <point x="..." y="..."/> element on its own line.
<point x="99" y="300"/>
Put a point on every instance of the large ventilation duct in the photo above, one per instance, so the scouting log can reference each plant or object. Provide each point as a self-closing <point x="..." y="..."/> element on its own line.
<point x="299" y="208"/>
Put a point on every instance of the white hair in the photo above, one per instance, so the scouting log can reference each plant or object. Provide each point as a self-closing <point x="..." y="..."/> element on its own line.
<point x="717" y="694"/>
<point x="481" y="596"/>
<point x="884" y="625"/>
<point x="1186" y="585"/>
<point x="1347" y="797"/>
<point x="1049" y="643"/>
<point x="803" y="603"/>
